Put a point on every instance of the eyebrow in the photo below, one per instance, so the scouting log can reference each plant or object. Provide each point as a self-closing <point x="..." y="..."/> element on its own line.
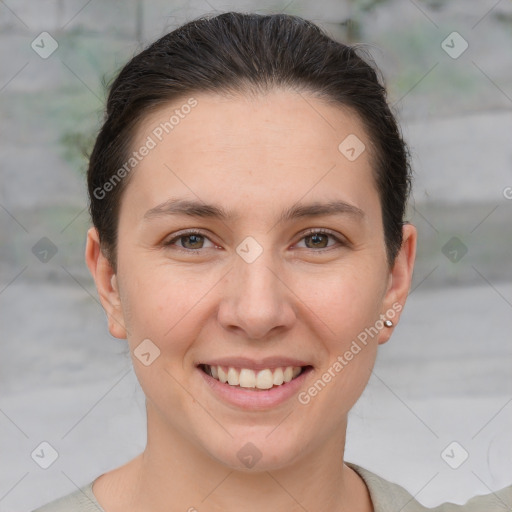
<point x="299" y="210"/>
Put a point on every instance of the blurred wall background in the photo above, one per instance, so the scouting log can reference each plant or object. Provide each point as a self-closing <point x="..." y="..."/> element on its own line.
<point x="446" y="374"/>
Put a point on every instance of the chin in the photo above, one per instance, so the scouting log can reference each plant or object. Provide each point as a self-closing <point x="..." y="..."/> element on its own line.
<point x="257" y="451"/>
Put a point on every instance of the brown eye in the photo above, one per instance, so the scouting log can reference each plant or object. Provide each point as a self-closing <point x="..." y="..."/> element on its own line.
<point x="319" y="239"/>
<point x="189" y="241"/>
<point x="196" y="241"/>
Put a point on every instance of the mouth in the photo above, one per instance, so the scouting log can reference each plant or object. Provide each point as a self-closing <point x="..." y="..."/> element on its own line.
<point x="254" y="380"/>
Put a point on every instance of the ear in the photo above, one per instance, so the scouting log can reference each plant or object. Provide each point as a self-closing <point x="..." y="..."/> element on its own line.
<point x="399" y="281"/>
<point x="106" y="284"/>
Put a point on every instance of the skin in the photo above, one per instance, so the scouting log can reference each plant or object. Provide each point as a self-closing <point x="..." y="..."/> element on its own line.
<point x="255" y="156"/>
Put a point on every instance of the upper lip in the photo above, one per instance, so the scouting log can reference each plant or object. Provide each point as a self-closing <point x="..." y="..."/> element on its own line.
<point x="255" y="364"/>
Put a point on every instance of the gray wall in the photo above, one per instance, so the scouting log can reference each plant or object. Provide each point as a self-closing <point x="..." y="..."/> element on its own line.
<point x="444" y="377"/>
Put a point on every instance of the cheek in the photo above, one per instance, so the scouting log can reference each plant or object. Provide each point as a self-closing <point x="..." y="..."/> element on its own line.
<point x="163" y="307"/>
<point x="350" y="306"/>
<point x="348" y="299"/>
<point x="166" y="304"/>
<point x="163" y="304"/>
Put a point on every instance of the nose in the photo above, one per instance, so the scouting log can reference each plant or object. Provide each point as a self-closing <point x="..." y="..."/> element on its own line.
<point x="256" y="299"/>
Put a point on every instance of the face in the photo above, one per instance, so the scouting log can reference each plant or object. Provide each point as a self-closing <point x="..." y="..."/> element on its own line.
<point x="285" y="267"/>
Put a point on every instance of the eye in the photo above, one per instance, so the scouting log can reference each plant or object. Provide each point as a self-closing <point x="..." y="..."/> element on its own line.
<point x="318" y="239"/>
<point x="191" y="241"/>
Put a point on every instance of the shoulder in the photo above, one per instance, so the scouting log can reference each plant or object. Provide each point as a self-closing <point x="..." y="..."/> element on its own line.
<point x="389" y="497"/>
<point x="386" y="497"/>
<point x="81" y="500"/>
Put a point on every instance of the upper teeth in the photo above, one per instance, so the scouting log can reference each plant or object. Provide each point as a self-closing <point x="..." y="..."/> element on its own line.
<point x="247" y="378"/>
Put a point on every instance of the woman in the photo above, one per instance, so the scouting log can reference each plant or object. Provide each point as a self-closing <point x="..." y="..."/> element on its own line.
<point x="247" y="191"/>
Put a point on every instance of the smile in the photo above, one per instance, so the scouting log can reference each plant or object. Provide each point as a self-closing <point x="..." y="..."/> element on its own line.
<point x="260" y="388"/>
<point x="266" y="378"/>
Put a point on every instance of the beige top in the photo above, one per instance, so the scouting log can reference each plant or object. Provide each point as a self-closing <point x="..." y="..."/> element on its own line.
<point x="385" y="496"/>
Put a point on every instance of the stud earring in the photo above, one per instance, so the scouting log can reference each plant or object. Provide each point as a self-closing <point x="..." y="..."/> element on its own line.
<point x="388" y="323"/>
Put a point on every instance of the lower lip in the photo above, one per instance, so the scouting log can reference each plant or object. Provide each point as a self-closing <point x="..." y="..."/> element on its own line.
<point x="253" y="398"/>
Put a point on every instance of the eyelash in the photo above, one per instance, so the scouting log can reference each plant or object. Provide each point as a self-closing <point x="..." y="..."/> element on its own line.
<point x="308" y="233"/>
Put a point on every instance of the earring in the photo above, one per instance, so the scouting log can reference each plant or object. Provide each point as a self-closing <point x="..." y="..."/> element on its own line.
<point x="388" y="323"/>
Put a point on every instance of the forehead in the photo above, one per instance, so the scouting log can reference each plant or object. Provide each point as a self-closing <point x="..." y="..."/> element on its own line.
<point x="283" y="144"/>
<point x="280" y="118"/>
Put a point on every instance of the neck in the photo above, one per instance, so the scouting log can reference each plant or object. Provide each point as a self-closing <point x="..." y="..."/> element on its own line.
<point x="174" y="472"/>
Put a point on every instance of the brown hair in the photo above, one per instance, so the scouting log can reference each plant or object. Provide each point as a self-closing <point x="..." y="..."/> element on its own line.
<point x="246" y="53"/>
